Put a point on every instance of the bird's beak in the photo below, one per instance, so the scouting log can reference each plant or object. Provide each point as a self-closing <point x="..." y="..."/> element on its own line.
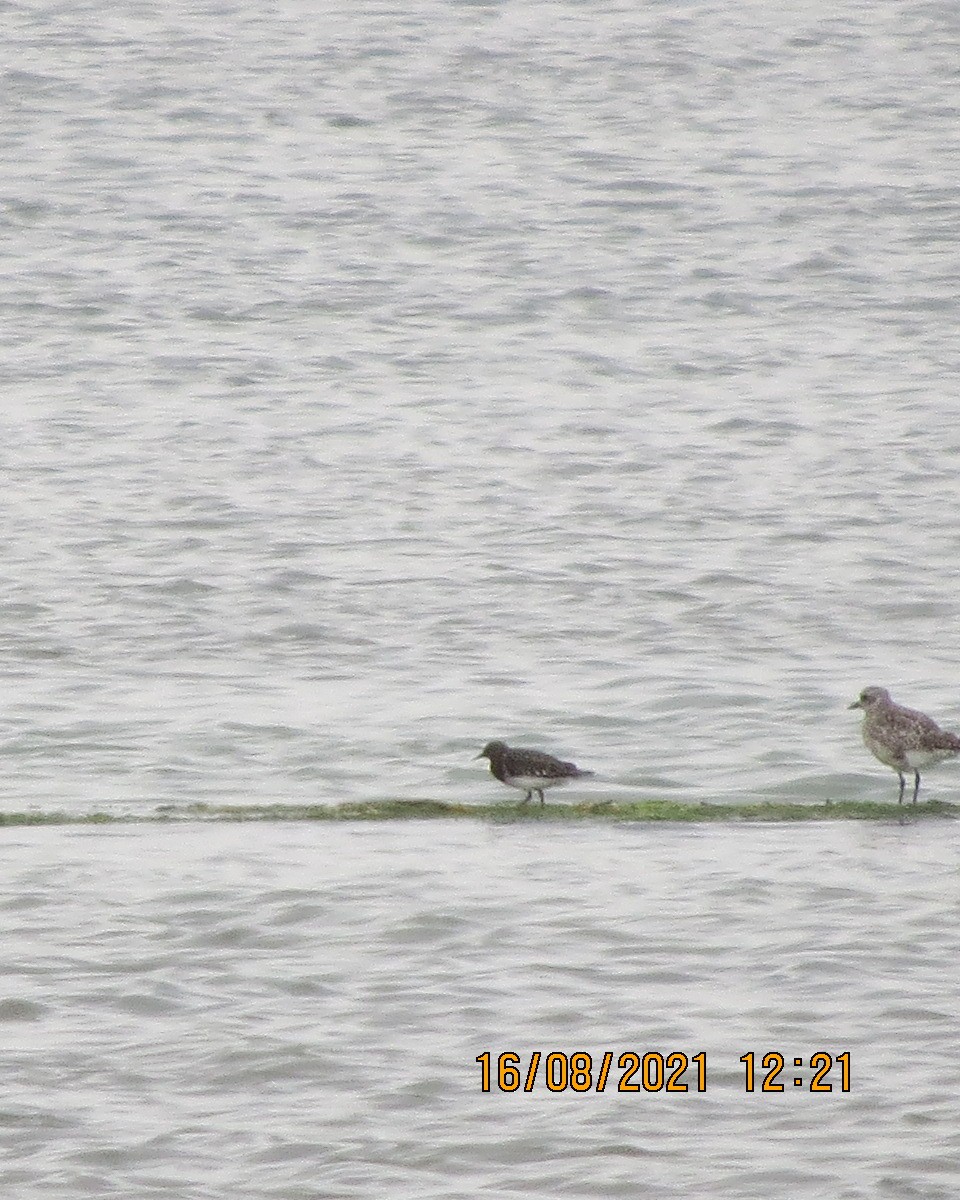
<point x="855" y="704"/>
<point x="476" y="756"/>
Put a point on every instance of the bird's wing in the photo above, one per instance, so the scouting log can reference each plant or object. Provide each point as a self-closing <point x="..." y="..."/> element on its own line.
<point x="914" y="728"/>
<point x="572" y="769"/>
<point x="535" y="763"/>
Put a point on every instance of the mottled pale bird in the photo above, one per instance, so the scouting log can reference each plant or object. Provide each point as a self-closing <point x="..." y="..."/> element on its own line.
<point x="903" y="738"/>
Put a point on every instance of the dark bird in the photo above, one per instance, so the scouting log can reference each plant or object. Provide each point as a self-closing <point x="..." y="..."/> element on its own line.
<point x="902" y="738"/>
<point x="529" y="770"/>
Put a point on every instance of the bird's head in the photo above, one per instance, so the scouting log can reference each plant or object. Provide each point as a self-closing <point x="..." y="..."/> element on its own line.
<point x="491" y="750"/>
<point x="871" y="697"/>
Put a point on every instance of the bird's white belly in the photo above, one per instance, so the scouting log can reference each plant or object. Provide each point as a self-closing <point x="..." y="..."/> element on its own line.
<point x="918" y="759"/>
<point x="533" y="783"/>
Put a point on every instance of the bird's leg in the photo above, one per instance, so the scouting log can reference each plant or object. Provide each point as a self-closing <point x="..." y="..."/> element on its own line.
<point x="528" y="796"/>
<point x="916" y="786"/>
<point x="903" y="784"/>
<point x="540" y="794"/>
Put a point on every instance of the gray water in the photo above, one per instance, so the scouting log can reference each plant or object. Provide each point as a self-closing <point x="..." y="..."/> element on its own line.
<point x="295" y="1011"/>
<point x="388" y="379"/>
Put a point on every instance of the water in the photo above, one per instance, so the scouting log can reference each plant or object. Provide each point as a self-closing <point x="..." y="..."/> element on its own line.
<point x="381" y="383"/>
<point x="296" y="1011"/>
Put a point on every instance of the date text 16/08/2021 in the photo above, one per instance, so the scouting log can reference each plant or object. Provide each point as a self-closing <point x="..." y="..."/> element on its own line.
<point x="653" y="1071"/>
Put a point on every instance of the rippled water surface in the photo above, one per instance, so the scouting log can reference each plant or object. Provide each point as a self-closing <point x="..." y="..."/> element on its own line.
<point x="385" y="380"/>
<point x="296" y="1010"/>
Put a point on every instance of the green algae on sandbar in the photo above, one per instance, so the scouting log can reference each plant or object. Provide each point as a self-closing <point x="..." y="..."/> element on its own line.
<point x="505" y="812"/>
<point x="61" y="818"/>
<point x="635" y="811"/>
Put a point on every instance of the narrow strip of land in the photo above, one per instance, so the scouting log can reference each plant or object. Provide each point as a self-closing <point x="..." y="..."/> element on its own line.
<point x="398" y="810"/>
